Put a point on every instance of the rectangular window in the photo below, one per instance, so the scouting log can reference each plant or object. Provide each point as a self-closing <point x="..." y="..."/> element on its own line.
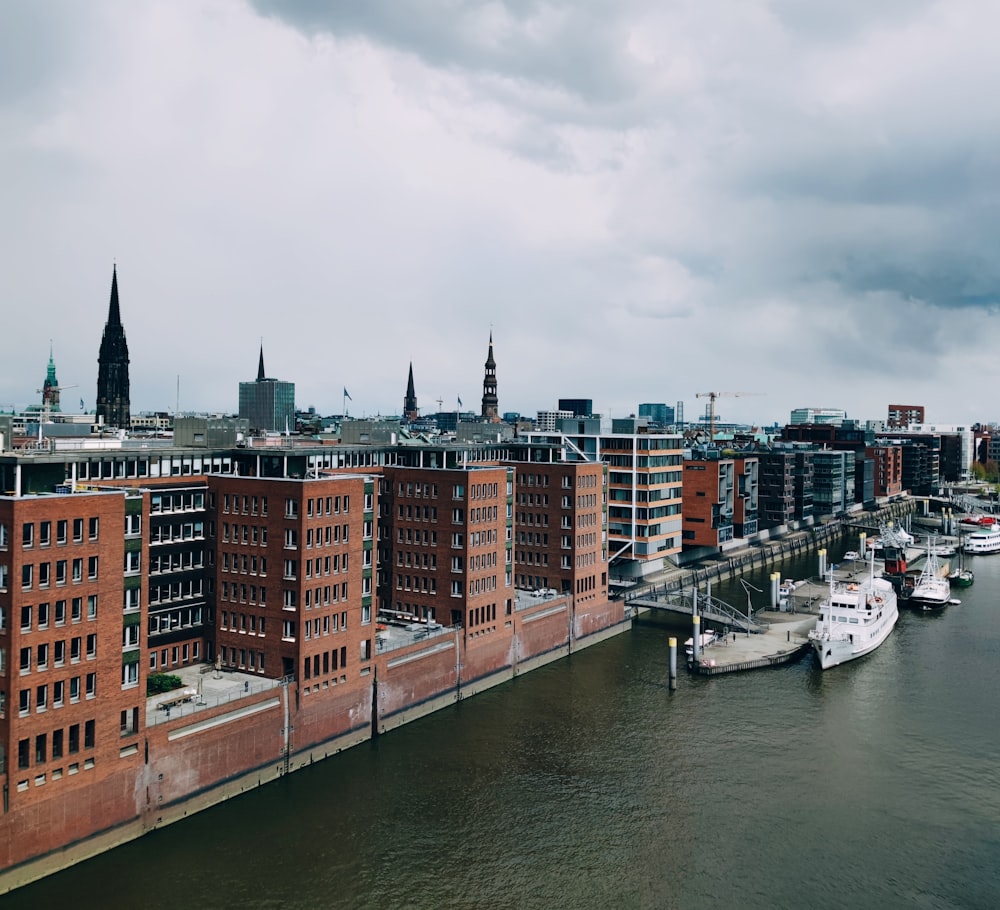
<point x="77" y="529"/>
<point x="61" y="528"/>
<point x="88" y="734"/>
<point x="45" y="533"/>
<point x="92" y="567"/>
<point x="74" y="739"/>
<point x="92" y="528"/>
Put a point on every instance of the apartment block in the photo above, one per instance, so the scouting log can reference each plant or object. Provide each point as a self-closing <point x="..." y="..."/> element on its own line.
<point x="645" y="483"/>
<point x="293" y="569"/>
<point x="446" y="549"/>
<point x="720" y="498"/>
<point x="72" y="683"/>
<point x="560" y="529"/>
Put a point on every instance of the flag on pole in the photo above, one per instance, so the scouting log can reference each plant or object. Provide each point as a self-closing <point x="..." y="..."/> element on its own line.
<point x="347" y="394"/>
<point x="459" y="400"/>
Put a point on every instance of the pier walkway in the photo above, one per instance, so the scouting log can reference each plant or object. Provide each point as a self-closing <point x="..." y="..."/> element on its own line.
<point x="785" y="639"/>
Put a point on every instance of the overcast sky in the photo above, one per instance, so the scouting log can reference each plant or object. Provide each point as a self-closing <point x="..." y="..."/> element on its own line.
<point x="644" y="199"/>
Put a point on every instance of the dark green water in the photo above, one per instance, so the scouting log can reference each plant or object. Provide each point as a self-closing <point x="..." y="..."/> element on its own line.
<point x="588" y="784"/>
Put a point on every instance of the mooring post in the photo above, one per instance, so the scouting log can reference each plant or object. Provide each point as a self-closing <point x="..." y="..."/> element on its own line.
<point x="822" y="563"/>
<point x="695" y="637"/>
<point x="775" y="593"/>
<point x="673" y="662"/>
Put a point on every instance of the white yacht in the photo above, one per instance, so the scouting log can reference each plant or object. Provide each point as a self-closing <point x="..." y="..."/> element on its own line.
<point x="854" y="619"/>
<point x="932" y="590"/>
<point x="985" y="541"/>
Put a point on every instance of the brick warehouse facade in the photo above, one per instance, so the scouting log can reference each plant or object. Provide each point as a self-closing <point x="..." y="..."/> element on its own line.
<point x="352" y="594"/>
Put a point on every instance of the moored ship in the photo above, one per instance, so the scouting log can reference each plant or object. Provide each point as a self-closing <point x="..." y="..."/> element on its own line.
<point x="982" y="542"/>
<point x="855" y="618"/>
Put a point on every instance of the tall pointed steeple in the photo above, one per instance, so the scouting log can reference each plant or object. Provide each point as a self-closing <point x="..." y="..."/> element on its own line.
<point x="50" y="388"/>
<point x="113" y="401"/>
<point x="410" y="411"/>
<point x="490" y="410"/>
<point x="261" y="376"/>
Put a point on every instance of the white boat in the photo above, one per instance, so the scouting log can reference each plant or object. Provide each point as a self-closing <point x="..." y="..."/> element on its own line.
<point x="705" y="640"/>
<point x="854" y="619"/>
<point x="986" y="541"/>
<point x="932" y="590"/>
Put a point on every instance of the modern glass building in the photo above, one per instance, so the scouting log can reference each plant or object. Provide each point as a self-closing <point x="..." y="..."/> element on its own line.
<point x="268" y="404"/>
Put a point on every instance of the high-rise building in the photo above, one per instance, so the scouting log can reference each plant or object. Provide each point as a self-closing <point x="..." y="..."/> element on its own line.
<point x="834" y="416"/>
<point x="902" y="415"/>
<point x="490" y="410"/>
<point x="578" y="407"/>
<point x="113" y="402"/>
<point x="268" y="404"/>
<point x="657" y="412"/>
<point x="410" y="410"/>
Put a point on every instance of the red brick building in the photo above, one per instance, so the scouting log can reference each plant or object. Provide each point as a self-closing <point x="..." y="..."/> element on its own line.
<point x="560" y="529"/>
<point x="292" y="580"/>
<point x="446" y="546"/>
<point x="902" y="415"/>
<point x="720" y="499"/>
<point x="888" y="472"/>
<point x="72" y="683"/>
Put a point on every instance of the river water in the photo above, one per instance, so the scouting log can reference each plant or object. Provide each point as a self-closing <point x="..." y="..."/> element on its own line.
<point x="588" y="784"/>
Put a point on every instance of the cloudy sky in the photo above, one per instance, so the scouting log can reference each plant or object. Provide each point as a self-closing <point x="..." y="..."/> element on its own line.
<point x="644" y="199"/>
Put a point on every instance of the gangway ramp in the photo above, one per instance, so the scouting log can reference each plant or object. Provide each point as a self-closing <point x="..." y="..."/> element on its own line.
<point x="691" y="602"/>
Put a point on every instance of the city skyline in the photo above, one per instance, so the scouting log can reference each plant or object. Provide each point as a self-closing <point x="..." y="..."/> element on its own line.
<point x="642" y="203"/>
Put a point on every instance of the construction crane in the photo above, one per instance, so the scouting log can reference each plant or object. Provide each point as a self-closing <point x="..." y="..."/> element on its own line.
<point x="47" y="400"/>
<point x="711" y="396"/>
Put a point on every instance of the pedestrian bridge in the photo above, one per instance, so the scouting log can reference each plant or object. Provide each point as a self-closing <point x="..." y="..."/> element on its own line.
<point x="689" y="603"/>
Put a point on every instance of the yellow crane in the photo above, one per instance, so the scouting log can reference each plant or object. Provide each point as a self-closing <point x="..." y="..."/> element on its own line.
<point x="711" y="396"/>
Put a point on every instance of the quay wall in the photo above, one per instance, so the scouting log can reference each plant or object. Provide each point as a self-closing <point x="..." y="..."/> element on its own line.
<point x="197" y="760"/>
<point x="771" y="552"/>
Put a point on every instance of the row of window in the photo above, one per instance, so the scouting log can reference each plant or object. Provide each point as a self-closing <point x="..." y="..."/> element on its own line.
<point x="318" y="665"/>
<point x="57" y="651"/>
<point x="331" y="624"/>
<point x="60" y="689"/>
<point x="248" y="534"/>
<point x="181" y="501"/>
<point x="416" y="583"/>
<point x="51" y="746"/>
<point x="178" y="656"/>
<point x="248" y="505"/>
<point x="330" y="505"/>
<point x="44" y="538"/>
<point x="38" y="616"/>
<point x="45" y="575"/>
<point x="185" y="618"/>
<point x="426" y="490"/>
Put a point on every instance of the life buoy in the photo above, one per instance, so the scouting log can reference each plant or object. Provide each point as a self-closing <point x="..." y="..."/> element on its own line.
<point x="877" y="600"/>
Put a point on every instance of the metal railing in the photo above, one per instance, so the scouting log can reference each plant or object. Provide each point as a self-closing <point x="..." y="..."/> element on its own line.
<point x="202" y="702"/>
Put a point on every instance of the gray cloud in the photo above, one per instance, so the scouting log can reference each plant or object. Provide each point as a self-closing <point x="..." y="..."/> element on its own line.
<point x="645" y="199"/>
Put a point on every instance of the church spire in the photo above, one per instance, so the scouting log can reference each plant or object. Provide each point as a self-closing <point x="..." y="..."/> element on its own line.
<point x="114" y="315"/>
<point x="261" y="376"/>
<point x="113" y="400"/>
<point x="490" y="409"/>
<point x="410" y="411"/>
